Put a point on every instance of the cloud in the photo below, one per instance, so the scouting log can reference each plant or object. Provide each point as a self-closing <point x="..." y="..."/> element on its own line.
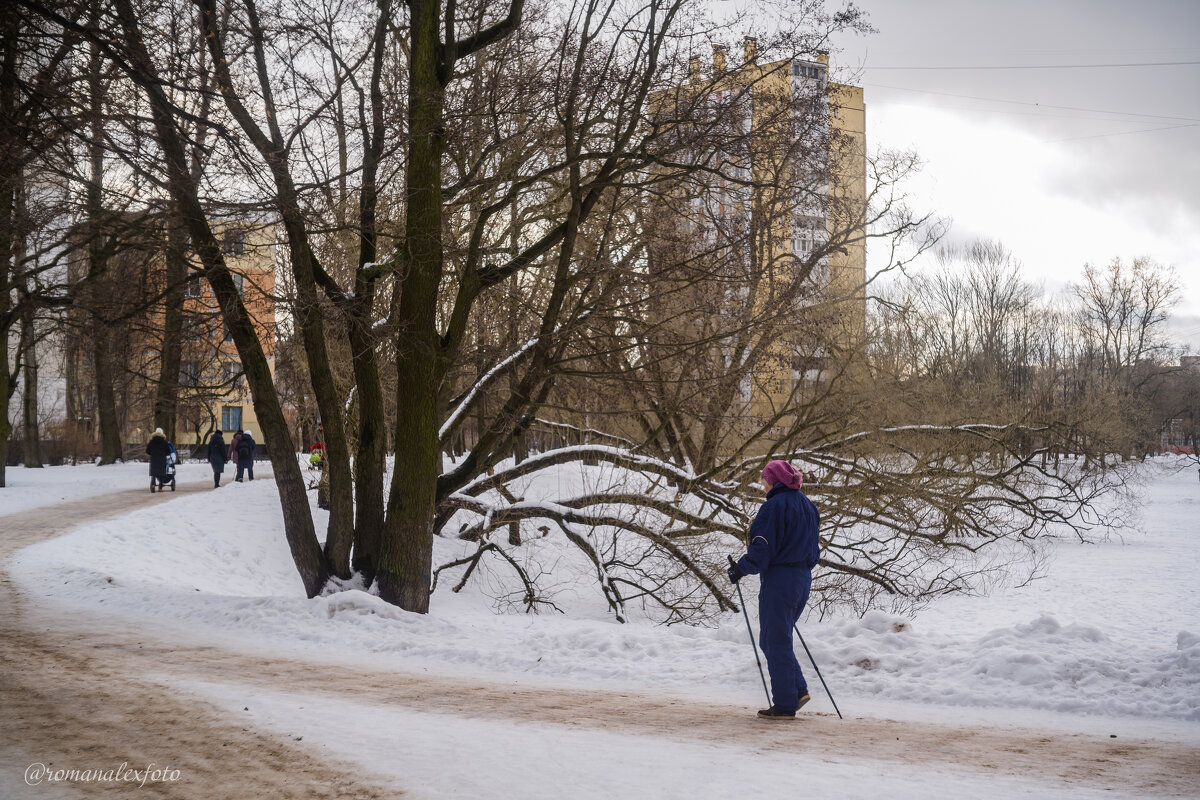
<point x="1000" y="180"/>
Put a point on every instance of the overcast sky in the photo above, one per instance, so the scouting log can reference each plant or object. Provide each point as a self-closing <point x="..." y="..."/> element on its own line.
<point x="1081" y="164"/>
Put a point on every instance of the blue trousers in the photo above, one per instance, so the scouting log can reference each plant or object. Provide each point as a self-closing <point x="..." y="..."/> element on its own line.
<point x="781" y="599"/>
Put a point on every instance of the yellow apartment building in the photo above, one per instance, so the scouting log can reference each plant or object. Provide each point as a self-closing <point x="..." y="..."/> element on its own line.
<point x="792" y="187"/>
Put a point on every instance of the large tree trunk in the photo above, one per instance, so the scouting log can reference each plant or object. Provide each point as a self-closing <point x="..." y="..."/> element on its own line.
<point x="111" y="448"/>
<point x="31" y="435"/>
<point x="369" y="460"/>
<point x="406" y="552"/>
<point x="8" y="147"/>
<point x="5" y="394"/>
<point x="102" y="356"/>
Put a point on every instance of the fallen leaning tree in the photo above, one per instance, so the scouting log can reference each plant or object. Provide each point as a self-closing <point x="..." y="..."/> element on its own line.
<point x="908" y="513"/>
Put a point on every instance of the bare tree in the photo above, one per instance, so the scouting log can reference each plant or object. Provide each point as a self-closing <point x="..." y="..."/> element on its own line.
<point x="479" y="264"/>
<point x="34" y="74"/>
<point x="1122" y="313"/>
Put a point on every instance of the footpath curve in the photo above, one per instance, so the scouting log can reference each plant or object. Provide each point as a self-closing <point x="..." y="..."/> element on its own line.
<point x="71" y="698"/>
<point x="74" y="695"/>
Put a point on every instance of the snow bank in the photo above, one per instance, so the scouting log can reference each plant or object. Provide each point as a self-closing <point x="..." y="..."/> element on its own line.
<point x="1112" y="631"/>
<point x="1041" y="663"/>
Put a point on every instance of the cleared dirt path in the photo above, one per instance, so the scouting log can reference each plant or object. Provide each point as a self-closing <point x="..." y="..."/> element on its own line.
<point x="72" y="698"/>
<point x="81" y="696"/>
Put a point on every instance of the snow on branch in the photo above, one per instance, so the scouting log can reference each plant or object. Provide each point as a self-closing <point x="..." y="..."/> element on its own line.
<point x="907" y="513"/>
<point x="562" y="427"/>
<point x="469" y="397"/>
<point x="674" y="544"/>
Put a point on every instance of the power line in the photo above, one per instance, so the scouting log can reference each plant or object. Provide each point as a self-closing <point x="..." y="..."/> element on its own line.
<point x="1038" y="113"/>
<point x="1054" y="66"/>
<point x="1032" y="104"/>
<point x="1123" y="133"/>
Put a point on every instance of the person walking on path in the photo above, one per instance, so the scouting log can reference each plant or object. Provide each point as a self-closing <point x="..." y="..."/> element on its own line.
<point x="233" y="443"/>
<point x="245" y="455"/>
<point x="158" y="449"/>
<point x="216" y="457"/>
<point x="784" y="547"/>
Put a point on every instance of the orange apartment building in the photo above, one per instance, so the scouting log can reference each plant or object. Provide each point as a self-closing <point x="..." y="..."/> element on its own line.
<point x="212" y="391"/>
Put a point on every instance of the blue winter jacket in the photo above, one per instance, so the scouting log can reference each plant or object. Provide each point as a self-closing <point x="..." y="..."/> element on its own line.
<point x="784" y="533"/>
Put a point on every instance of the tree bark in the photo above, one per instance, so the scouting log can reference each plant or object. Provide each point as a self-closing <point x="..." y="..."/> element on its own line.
<point x="406" y="552"/>
<point x="8" y="206"/>
<point x="369" y="460"/>
<point x="111" y="448"/>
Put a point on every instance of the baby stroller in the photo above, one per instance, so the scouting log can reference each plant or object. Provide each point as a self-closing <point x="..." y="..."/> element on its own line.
<point x="168" y="477"/>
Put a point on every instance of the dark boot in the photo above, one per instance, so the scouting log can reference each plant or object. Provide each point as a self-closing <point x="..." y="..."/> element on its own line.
<point x="774" y="713"/>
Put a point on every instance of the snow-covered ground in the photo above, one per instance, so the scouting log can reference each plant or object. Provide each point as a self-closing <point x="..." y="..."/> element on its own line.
<point x="1108" y="642"/>
<point x="35" y="488"/>
<point x="437" y="756"/>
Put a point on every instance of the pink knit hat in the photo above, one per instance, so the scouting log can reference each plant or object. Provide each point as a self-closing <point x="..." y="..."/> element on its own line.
<point x="782" y="472"/>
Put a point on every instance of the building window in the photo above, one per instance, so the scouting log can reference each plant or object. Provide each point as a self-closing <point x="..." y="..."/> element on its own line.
<point x="239" y="281"/>
<point x="231" y="418"/>
<point x="802" y="243"/>
<point x="192" y="288"/>
<point x="189" y="373"/>
<point x="234" y="378"/>
<point x="808" y="235"/>
<point x="235" y="242"/>
<point x="801" y="70"/>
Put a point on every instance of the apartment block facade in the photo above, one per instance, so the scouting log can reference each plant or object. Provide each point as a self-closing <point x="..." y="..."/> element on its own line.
<point x="782" y="214"/>
<point x="118" y="348"/>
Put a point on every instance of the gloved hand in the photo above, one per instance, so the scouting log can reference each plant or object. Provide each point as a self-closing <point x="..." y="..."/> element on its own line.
<point x="735" y="574"/>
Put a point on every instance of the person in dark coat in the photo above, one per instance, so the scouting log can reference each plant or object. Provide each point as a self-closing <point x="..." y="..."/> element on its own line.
<point x="233" y="443"/>
<point x="158" y="450"/>
<point x="784" y="547"/>
<point x="245" y="455"/>
<point x="216" y="457"/>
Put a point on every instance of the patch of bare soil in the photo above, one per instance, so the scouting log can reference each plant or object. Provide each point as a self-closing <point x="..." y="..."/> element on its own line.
<point x="81" y="697"/>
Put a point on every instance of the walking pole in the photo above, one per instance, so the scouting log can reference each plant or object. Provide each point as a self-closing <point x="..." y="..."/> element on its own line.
<point x="750" y="631"/>
<point x="819" y="675"/>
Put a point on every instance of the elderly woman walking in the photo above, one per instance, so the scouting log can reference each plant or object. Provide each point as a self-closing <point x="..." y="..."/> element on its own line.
<point x="784" y="547"/>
